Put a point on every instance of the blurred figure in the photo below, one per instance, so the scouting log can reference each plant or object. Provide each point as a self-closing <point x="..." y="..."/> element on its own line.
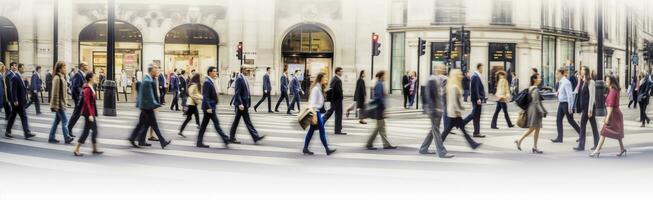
<point x="18" y="96"/>
<point x="534" y="115"/>
<point x="359" y="98"/>
<point x="147" y="102"/>
<point x="412" y="88"/>
<point x="195" y="95"/>
<point x="283" y="93"/>
<point x="124" y="83"/>
<point x="478" y="98"/>
<point x="405" y="82"/>
<point x="267" y="90"/>
<point x="335" y="96"/>
<point x="161" y="79"/>
<point x="58" y="104"/>
<point x="632" y="92"/>
<point x="613" y="123"/>
<point x="503" y="97"/>
<point x="210" y="107"/>
<point x="36" y="85"/>
<point x="434" y="105"/>
<point x="183" y="90"/>
<point x="3" y="90"/>
<point x="514" y="85"/>
<point x="77" y="82"/>
<point x="48" y="84"/>
<point x="465" y="86"/>
<point x="174" y="88"/>
<point x="455" y="107"/>
<point x="315" y="103"/>
<point x="242" y="102"/>
<point x="379" y="105"/>
<point x="643" y="98"/>
<point x="587" y="105"/>
<point x="89" y="111"/>
<point x="565" y="105"/>
<point x="296" y="89"/>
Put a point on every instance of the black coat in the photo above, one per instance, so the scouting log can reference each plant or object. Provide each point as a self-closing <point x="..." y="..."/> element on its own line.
<point x="404" y="82"/>
<point x="359" y="93"/>
<point x="336" y="90"/>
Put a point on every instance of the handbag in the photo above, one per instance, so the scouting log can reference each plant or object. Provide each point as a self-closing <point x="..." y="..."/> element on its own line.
<point x="305" y="118"/>
<point x="521" y="119"/>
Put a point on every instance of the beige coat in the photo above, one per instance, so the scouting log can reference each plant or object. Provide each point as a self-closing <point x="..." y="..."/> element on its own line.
<point x="59" y="86"/>
<point x="503" y="90"/>
<point x="454" y="103"/>
<point x="195" y="95"/>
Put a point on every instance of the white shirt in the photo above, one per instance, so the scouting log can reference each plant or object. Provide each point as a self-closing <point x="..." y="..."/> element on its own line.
<point x="316" y="99"/>
<point x="215" y="85"/>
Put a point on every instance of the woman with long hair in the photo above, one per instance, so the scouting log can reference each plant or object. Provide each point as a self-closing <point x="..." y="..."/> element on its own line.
<point x="359" y="97"/>
<point x="613" y="123"/>
<point x="455" y="107"/>
<point x="195" y="99"/>
<point x="503" y="97"/>
<point x="89" y="111"/>
<point x="315" y="103"/>
<point x="58" y="103"/>
<point x="534" y="115"/>
<point x="587" y="105"/>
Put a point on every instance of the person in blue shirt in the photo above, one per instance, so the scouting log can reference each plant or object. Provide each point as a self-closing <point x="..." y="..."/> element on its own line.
<point x="566" y="98"/>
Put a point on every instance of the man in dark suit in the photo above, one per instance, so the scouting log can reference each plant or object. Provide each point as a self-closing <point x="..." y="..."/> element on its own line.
<point x="147" y="102"/>
<point x="77" y="82"/>
<point x="210" y="108"/>
<point x="405" y="80"/>
<point x="478" y="97"/>
<point x="162" y="88"/>
<point x="296" y="89"/>
<point x="8" y="74"/>
<point x="183" y="89"/>
<point x="18" y="100"/>
<point x="283" y="82"/>
<point x="242" y="102"/>
<point x="48" y="83"/>
<point x="36" y="85"/>
<point x="334" y="95"/>
<point x="174" y="88"/>
<point x="267" y="89"/>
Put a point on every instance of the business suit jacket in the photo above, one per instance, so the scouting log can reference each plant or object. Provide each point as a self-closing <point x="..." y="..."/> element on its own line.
<point x="2" y="90"/>
<point x="284" y="83"/>
<point x="359" y="93"/>
<point x="8" y="76"/>
<point x="183" y="86"/>
<point x="404" y="84"/>
<point x="162" y="81"/>
<point x="434" y="101"/>
<point x="477" y="89"/>
<point x="146" y="97"/>
<point x="294" y="86"/>
<point x="378" y="101"/>
<point x="209" y="95"/>
<point x="174" y="83"/>
<point x="336" y="89"/>
<point x="36" y="82"/>
<point x="18" y="90"/>
<point x="77" y="82"/>
<point x="242" y="95"/>
<point x="48" y="82"/>
<point x="266" y="84"/>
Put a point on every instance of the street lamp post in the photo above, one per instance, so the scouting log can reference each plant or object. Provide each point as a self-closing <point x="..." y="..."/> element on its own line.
<point x="55" y="34"/>
<point x="600" y="85"/>
<point x="110" y="84"/>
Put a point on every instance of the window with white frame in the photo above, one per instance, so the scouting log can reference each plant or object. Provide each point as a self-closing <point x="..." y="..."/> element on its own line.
<point x="502" y="12"/>
<point x="449" y="12"/>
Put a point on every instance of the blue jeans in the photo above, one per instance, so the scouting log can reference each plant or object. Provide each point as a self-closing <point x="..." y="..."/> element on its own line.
<point x="60" y="117"/>
<point x="320" y="127"/>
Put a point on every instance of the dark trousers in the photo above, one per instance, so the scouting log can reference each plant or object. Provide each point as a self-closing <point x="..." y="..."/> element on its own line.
<point x="20" y="111"/>
<point x="192" y="111"/>
<point x="457" y="122"/>
<point x="563" y="111"/>
<point x="295" y="100"/>
<point x="265" y="96"/>
<point x="162" y="95"/>
<point x="216" y="123"/>
<point x="474" y="116"/>
<point x="49" y="95"/>
<point x="634" y="100"/>
<point x="146" y="120"/>
<point x="248" y="122"/>
<point x="501" y="106"/>
<point x="584" y="118"/>
<point x="75" y="116"/>
<point x="406" y="95"/>
<point x="7" y="108"/>
<point x="34" y="99"/>
<point x="283" y="96"/>
<point x="642" y="112"/>
<point x="336" y="106"/>
<point x="88" y="127"/>
<point x="175" y="101"/>
<point x="320" y="128"/>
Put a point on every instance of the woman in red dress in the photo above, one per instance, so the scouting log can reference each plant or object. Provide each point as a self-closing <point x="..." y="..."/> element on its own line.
<point x="613" y="123"/>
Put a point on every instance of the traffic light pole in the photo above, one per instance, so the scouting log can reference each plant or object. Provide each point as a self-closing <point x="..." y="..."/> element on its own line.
<point x="419" y="54"/>
<point x="372" y="65"/>
<point x="110" y="84"/>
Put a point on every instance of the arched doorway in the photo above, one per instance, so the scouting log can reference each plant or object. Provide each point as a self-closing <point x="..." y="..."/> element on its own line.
<point x="8" y="41"/>
<point x="191" y="47"/>
<point x="129" y="47"/>
<point x="309" y="49"/>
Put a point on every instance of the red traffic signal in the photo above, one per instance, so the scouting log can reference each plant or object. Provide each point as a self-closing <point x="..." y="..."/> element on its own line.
<point x="239" y="51"/>
<point x="376" y="45"/>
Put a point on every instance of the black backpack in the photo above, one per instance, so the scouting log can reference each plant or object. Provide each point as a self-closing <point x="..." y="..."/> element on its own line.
<point x="523" y="99"/>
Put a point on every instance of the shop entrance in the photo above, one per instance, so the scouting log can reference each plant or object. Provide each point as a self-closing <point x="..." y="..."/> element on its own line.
<point x="8" y="41"/>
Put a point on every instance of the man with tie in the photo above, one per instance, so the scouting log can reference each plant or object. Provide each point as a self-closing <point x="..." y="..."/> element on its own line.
<point x="18" y="99"/>
<point x="35" y="87"/>
<point x="478" y="97"/>
<point x="183" y="89"/>
<point x="284" y="89"/>
<point x="174" y="88"/>
<point x="296" y="89"/>
<point x="77" y="82"/>
<point x="267" y="89"/>
<point x="7" y="73"/>
<point x="335" y="96"/>
<point x="566" y="99"/>
<point x="242" y="102"/>
<point x="147" y="102"/>
<point x="210" y="108"/>
<point x="162" y="88"/>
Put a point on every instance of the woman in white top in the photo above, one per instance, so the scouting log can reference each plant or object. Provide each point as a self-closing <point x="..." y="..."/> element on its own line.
<point x="315" y="103"/>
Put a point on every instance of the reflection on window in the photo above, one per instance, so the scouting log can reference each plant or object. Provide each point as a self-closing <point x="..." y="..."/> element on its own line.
<point x="307" y="39"/>
<point x="398" y="59"/>
<point x="567" y="17"/>
<point x="449" y="12"/>
<point x="502" y="12"/>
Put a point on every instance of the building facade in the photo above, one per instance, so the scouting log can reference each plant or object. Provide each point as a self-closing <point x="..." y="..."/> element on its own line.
<point x="313" y="36"/>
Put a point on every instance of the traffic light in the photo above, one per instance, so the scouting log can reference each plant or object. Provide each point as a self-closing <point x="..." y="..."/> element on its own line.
<point x="239" y="51"/>
<point x="446" y="55"/>
<point x="421" y="47"/>
<point x="376" y="45"/>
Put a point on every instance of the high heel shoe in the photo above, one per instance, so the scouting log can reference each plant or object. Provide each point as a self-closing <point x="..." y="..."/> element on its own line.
<point x="623" y="153"/>
<point x="595" y="155"/>
<point x="518" y="146"/>
<point x="536" y="151"/>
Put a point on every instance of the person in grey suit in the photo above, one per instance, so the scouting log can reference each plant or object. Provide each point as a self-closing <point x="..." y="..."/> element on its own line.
<point x="267" y="89"/>
<point x="434" y="105"/>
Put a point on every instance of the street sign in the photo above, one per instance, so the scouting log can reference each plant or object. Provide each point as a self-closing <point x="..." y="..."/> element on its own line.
<point x="634" y="59"/>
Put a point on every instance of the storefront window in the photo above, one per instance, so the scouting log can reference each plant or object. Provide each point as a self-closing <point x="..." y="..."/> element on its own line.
<point x="548" y="60"/>
<point x="309" y="49"/>
<point x="191" y="47"/>
<point x="398" y="59"/>
<point x="567" y="53"/>
<point x="8" y="41"/>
